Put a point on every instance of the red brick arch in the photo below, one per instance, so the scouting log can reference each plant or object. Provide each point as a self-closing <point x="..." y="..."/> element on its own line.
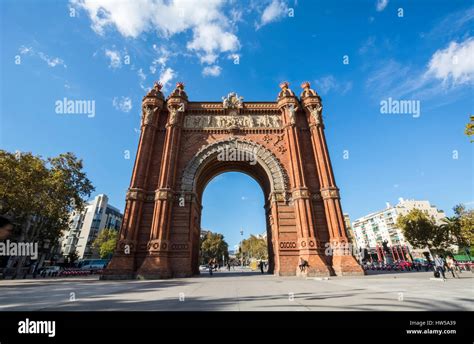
<point x="178" y="154"/>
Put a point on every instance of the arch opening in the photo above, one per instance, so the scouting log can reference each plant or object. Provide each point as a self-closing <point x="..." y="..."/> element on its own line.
<point x="234" y="201"/>
<point x="263" y="167"/>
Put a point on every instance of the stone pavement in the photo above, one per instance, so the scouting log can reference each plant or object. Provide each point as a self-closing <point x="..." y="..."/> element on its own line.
<point x="242" y="291"/>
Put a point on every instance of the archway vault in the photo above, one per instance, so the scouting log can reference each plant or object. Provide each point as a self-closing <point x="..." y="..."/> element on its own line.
<point x="178" y="154"/>
<point x="264" y="166"/>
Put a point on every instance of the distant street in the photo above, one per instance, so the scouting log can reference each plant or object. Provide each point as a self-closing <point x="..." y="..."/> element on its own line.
<point x="239" y="290"/>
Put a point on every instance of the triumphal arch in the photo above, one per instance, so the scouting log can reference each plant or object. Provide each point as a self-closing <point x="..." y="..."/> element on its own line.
<point x="181" y="149"/>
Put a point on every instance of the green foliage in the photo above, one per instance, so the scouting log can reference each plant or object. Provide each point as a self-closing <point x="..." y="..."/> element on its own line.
<point x="469" y="131"/>
<point x="72" y="257"/>
<point x="255" y="247"/>
<point x="213" y="246"/>
<point x="421" y="231"/>
<point x="39" y="194"/>
<point x="106" y="242"/>
<point x="461" y="226"/>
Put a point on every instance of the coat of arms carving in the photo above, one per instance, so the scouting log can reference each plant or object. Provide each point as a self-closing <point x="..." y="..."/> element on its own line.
<point x="232" y="101"/>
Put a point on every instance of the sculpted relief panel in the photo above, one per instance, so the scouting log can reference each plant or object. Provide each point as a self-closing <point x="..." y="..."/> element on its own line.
<point x="232" y="121"/>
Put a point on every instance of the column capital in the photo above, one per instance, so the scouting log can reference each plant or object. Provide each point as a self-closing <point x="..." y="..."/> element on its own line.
<point x="135" y="194"/>
<point x="300" y="193"/>
<point x="164" y="194"/>
<point x="331" y="192"/>
<point x="278" y="197"/>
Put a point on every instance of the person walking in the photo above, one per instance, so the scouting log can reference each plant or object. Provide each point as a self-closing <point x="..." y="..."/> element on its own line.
<point x="451" y="266"/>
<point x="303" y="265"/>
<point x="211" y="267"/>
<point x="439" y="266"/>
<point x="262" y="265"/>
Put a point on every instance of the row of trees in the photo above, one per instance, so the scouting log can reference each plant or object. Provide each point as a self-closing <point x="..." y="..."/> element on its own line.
<point x="213" y="246"/>
<point x="38" y="194"/>
<point x="423" y="232"/>
<point x="254" y="247"/>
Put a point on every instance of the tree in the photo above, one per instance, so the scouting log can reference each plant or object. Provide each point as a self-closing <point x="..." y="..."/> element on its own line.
<point x="213" y="246"/>
<point x="39" y="194"/>
<point x="469" y="131"/>
<point x="421" y="231"/>
<point x="255" y="247"/>
<point x="105" y="242"/>
<point x="72" y="257"/>
<point x="461" y="226"/>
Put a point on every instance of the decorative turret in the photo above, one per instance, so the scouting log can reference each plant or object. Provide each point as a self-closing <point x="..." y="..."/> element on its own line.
<point x="155" y="92"/>
<point x="152" y="104"/>
<point x="311" y="102"/>
<point x="285" y="91"/>
<point x="179" y="92"/>
<point x="308" y="91"/>
<point x="287" y="103"/>
<point x="176" y="104"/>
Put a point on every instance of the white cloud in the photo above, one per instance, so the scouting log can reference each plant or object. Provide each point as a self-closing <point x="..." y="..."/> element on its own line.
<point x="211" y="38"/>
<point x="50" y="61"/>
<point x="212" y="71"/>
<point x="25" y="50"/>
<point x="381" y="4"/>
<point x="123" y="103"/>
<point x="142" y="77"/>
<point x="329" y="83"/>
<point x="276" y="10"/>
<point x="163" y="55"/>
<point x="166" y="76"/>
<point x="211" y="29"/>
<point x="114" y="57"/>
<point x="454" y="64"/>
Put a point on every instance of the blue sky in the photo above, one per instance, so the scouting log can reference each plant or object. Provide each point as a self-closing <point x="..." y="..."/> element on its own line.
<point x="112" y="51"/>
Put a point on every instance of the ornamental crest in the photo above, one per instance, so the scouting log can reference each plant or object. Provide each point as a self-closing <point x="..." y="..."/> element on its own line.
<point x="232" y="101"/>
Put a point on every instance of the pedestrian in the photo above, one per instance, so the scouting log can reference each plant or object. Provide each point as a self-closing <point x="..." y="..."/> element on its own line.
<point x="228" y="265"/>
<point x="303" y="265"/>
<point x="439" y="266"/>
<point x="262" y="265"/>
<point x="451" y="266"/>
<point x="211" y="267"/>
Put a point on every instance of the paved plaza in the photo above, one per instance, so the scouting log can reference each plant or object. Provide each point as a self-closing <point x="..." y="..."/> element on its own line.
<point x="242" y="291"/>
